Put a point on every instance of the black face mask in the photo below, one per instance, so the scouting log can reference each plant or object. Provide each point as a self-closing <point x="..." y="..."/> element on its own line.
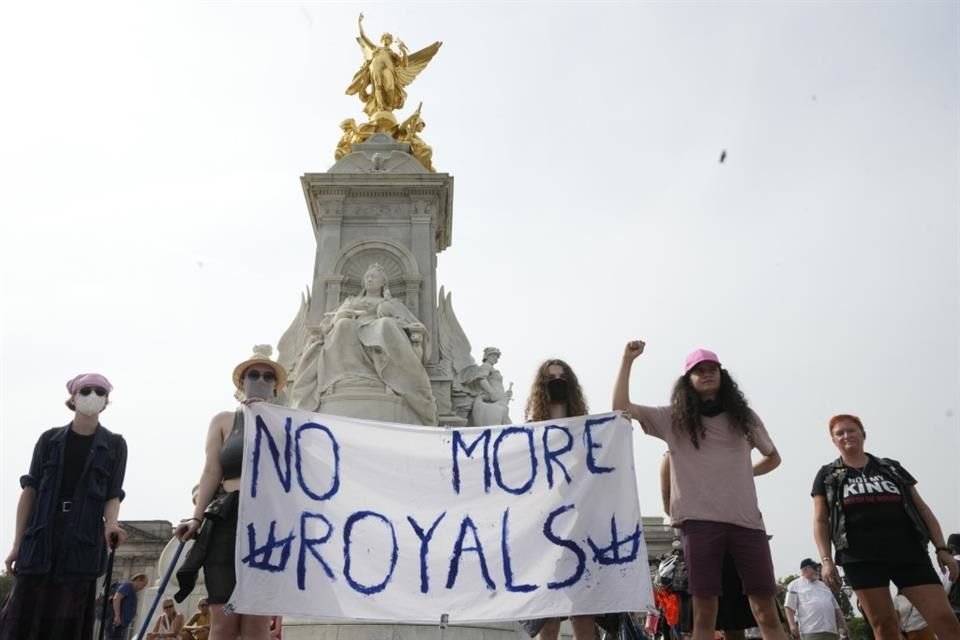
<point x="711" y="408"/>
<point x="558" y="390"/>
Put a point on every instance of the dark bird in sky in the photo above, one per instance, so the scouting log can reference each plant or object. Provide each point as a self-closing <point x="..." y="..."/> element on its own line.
<point x="723" y="156"/>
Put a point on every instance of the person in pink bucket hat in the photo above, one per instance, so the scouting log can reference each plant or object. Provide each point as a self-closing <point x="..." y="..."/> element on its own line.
<point x="711" y="432"/>
<point x="66" y="517"/>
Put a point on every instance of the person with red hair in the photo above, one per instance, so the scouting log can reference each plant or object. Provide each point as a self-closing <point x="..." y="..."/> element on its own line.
<point x="868" y="510"/>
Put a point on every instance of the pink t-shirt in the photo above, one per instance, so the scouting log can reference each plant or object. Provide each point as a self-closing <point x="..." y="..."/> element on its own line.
<point x="714" y="482"/>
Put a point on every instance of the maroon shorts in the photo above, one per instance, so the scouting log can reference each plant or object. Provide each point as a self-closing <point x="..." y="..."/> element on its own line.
<point x="704" y="545"/>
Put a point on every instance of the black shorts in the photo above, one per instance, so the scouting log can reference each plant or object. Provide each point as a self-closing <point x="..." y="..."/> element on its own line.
<point x="219" y="572"/>
<point x="733" y="608"/>
<point x="872" y="575"/>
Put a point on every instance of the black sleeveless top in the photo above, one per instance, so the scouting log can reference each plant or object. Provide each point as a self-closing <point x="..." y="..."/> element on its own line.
<point x="231" y="453"/>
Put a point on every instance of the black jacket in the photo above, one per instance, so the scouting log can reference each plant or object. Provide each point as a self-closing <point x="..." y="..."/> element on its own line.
<point x="834" y="476"/>
<point x="83" y="551"/>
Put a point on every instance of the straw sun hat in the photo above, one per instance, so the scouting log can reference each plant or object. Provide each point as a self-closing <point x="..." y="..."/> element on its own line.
<point x="261" y="355"/>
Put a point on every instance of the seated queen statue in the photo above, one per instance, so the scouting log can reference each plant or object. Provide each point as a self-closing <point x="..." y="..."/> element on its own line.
<point x="371" y="344"/>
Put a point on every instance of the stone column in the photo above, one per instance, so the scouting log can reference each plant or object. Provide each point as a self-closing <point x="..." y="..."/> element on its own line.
<point x="421" y="245"/>
<point x="332" y="294"/>
<point x="328" y="227"/>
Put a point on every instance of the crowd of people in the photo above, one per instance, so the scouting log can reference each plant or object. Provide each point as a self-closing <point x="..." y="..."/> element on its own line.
<point x="869" y="519"/>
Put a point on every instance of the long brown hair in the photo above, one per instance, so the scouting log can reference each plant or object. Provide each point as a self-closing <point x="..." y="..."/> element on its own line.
<point x="686" y="407"/>
<point x="538" y="402"/>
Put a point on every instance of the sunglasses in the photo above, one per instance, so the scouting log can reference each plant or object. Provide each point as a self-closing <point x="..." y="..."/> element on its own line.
<point x="168" y="606"/>
<point x="268" y="376"/>
<point x="85" y="391"/>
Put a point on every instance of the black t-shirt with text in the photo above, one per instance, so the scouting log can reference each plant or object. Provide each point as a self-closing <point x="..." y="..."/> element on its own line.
<point x="878" y="527"/>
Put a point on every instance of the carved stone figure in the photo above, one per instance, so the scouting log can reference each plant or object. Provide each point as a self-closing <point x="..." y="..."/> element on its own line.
<point x="291" y="344"/>
<point x="489" y="402"/>
<point x="490" y="406"/>
<point x="371" y="344"/>
<point x="381" y="80"/>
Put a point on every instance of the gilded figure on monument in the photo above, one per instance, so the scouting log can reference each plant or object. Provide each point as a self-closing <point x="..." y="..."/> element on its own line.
<point x="351" y="136"/>
<point x="385" y="72"/>
<point x="409" y="131"/>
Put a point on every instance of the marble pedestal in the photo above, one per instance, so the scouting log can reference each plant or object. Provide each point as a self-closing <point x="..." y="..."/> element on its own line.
<point x="296" y="630"/>
<point x="368" y="405"/>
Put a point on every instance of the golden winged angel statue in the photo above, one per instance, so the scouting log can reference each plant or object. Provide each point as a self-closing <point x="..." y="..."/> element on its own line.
<point x="381" y="80"/>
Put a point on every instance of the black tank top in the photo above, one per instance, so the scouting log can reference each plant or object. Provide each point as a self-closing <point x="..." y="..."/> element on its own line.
<point x="231" y="453"/>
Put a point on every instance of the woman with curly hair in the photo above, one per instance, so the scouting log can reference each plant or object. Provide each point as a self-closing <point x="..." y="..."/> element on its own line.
<point x="556" y="394"/>
<point x="711" y="432"/>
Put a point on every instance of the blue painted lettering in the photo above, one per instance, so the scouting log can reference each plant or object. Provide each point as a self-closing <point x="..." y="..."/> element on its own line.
<point x="569" y="544"/>
<point x="262" y="557"/>
<point x="550" y="456"/>
<point x="310" y="544"/>
<point x="507" y="565"/>
<point x="588" y="426"/>
<point x="334" y="469"/>
<point x="282" y="474"/>
<point x="424" y="548"/>
<point x="352" y="521"/>
<point x="458" y="550"/>
<point x="611" y="554"/>
<point x="457" y="443"/>
<point x="498" y="473"/>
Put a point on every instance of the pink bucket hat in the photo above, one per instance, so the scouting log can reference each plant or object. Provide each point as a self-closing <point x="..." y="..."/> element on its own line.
<point x="88" y="380"/>
<point x="697" y="356"/>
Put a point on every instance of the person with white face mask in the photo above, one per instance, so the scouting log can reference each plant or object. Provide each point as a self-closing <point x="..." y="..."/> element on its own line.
<point x="66" y="517"/>
<point x="257" y="379"/>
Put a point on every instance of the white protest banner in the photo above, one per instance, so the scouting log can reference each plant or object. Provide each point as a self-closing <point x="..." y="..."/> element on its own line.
<point x="351" y="519"/>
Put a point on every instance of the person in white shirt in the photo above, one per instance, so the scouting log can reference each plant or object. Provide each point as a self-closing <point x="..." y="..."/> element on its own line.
<point x="812" y="611"/>
<point x="912" y="624"/>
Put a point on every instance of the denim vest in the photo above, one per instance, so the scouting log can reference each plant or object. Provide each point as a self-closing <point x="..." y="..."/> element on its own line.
<point x="836" y="475"/>
<point x="82" y="550"/>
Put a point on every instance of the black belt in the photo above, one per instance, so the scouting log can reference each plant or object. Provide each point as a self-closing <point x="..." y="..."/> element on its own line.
<point x="65" y="506"/>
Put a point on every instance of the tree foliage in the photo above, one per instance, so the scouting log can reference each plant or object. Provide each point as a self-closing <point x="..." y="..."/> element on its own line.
<point x="858" y="629"/>
<point x="6" y="584"/>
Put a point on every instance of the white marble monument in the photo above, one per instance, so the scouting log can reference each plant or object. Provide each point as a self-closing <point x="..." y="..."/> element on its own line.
<point x="365" y="340"/>
<point x="370" y="339"/>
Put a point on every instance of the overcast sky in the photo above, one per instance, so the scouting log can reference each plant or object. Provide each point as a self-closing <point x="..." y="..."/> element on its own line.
<point x="154" y="227"/>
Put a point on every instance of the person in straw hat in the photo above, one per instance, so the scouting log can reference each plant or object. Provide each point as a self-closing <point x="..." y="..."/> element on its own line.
<point x="214" y="519"/>
<point x="66" y="516"/>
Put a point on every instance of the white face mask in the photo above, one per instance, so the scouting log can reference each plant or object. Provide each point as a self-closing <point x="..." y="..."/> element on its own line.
<point x="90" y="405"/>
